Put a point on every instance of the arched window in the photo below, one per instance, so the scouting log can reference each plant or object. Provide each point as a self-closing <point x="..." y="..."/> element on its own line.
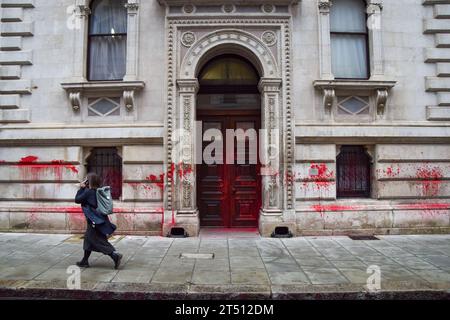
<point x="107" y="40"/>
<point x="229" y="71"/>
<point x="353" y="172"/>
<point x="108" y="165"/>
<point x="349" y="39"/>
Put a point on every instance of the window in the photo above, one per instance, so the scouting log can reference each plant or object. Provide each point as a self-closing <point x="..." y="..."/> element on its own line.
<point x="353" y="172"/>
<point x="353" y="105"/>
<point x="108" y="165"/>
<point x="107" y="40"/>
<point x="349" y="39"/>
<point x="104" y="107"/>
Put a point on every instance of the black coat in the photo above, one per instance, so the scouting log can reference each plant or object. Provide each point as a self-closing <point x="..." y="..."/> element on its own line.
<point x="88" y="200"/>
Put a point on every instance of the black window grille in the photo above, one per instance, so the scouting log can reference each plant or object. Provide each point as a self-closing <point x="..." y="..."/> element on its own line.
<point x="108" y="165"/>
<point x="353" y="172"/>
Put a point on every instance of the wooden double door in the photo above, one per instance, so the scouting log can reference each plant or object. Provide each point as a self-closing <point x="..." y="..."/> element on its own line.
<point x="229" y="195"/>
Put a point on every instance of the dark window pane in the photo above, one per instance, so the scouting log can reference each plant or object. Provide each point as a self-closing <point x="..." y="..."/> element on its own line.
<point x="108" y="165"/>
<point x="353" y="172"/>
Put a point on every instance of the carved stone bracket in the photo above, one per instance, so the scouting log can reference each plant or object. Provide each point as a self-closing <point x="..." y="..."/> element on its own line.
<point x="128" y="99"/>
<point x="379" y="89"/>
<point x="328" y="99"/>
<point x="127" y="89"/>
<point x="75" y="100"/>
<point x="381" y="100"/>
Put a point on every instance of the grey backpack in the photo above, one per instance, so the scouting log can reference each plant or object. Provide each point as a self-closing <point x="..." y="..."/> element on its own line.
<point x="104" y="201"/>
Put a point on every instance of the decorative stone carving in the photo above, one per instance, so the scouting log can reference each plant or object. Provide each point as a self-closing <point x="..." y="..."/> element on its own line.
<point x="230" y="34"/>
<point x="84" y="11"/>
<point x="188" y="39"/>
<point x="269" y="38"/>
<point x="382" y="96"/>
<point x="132" y="7"/>
<point x="75" y="100"/>
<point x="324" y="6"/>
<point x="268" y="8"/>
<point x="128" y="99"/>
<point x="228" y="8"/>
<point x="245" y="39"/>
<point x="188" y="8"/>
<point x="328" y="99"/>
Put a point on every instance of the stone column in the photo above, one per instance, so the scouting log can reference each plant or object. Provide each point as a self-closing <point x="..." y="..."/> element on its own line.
<point x="132" y="40"/>
<point x="81" y="25"/>
<point x="374" y="8"/>
<point x="185" y="166"/>
<point x="325" y="40"/>
<point x="271" y="147"/>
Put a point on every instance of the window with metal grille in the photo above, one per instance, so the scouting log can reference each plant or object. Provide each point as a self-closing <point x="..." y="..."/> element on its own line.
<point x="108" y="165"/>
<point x="353" y="172"/>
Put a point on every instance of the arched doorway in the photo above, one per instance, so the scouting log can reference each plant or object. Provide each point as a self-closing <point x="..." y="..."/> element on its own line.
<point x="229" y="183"/>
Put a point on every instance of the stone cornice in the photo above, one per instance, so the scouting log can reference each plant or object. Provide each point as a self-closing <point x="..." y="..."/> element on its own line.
<point x="213" y="2"/>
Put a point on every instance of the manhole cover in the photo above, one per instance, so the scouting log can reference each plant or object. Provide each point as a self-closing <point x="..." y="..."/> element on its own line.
<point x="197" y="256"/>
<point x="363" y="238"/>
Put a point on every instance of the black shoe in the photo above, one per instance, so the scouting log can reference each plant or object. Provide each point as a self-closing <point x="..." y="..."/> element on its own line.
<point x="82" y="264"/>
<point x="117" y="259"/>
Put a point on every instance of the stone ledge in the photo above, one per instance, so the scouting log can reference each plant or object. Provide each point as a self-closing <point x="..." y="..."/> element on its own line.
<point x="438" y="113"/>
<point x="15" y="116"/>
<point x="12" y="29"/>
<point x="17" y="4"/>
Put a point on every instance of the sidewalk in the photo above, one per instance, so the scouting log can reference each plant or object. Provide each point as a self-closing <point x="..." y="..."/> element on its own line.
<point x="244" y="266"/>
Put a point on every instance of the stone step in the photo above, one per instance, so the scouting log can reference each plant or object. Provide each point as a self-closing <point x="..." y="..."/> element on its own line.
<point x="443" y="69"/>
<point x="443" y="99"/>
<point x="17" y="4"/>
<point x="442" y="40"/>
<point x="437" y="55"/>
<point x="10" y="101"/>
<point x="431" y="26"/>
<point x="10" y="72"/>
<point x="12" y="15"/>
<point x="434" y="84"/>
<point x="428" y="2"/>
<point x="16" y="57"/>
<point x="15" y="116"/>
<point x="12" y="29"/>
<point x="441" y="11"/>
<point x="438" y="113"/>
<point x="10" y="43"/>
<point x="15" y="86"/>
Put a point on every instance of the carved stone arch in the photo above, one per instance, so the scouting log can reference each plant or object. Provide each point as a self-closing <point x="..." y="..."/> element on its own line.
<point x="227" y="39"/>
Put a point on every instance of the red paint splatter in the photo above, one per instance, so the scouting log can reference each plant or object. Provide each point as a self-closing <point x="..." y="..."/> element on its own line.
<point x="32" y="170"/>
<point x="321" y="180"/>
<point x="390" y="172"/>
<point x="333" y="208"/>
<point x="430" y="180"/>
<point x="424" y="206"/>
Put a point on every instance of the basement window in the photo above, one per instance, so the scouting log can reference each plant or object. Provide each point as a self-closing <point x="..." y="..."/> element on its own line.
<point x="353" y="172"/>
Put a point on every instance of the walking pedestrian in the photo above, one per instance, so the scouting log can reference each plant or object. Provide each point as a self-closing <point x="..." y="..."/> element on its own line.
<point x="99" y="228"/>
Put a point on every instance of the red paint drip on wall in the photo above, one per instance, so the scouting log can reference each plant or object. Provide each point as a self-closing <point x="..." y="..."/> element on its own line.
<point x="431" y="179"/>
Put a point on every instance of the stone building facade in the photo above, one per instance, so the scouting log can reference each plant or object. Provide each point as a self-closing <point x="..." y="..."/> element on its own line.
<point x="361" y="114"/>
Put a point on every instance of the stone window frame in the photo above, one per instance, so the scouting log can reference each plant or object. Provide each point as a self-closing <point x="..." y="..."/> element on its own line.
<point x="78" y="87"/>
<point x="377" y="85"/>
